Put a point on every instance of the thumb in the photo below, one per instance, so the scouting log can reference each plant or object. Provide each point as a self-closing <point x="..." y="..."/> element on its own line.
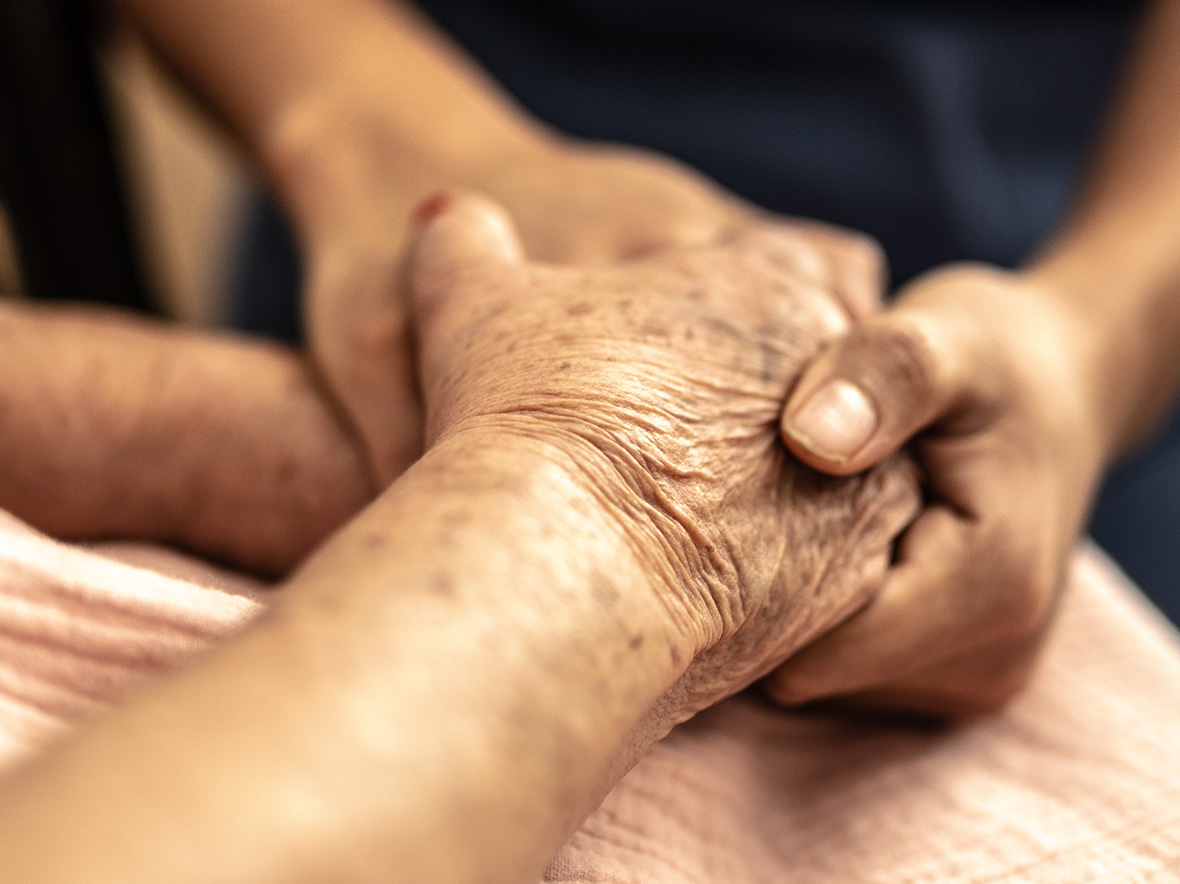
<point x="462" y="235"/>
<point x="869" y="392"/>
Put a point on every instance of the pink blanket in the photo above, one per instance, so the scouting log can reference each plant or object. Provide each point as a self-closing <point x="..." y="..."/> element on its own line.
<point x="1078" y="781"/>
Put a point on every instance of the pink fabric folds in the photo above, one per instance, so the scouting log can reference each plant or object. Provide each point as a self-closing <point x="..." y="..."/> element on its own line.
<point x="1078" y="781"/>
<point x="78" y="630"/>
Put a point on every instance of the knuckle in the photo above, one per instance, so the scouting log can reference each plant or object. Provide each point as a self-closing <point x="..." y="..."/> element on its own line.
<point x="905" y="358"/>
<point x="866" y="251"/>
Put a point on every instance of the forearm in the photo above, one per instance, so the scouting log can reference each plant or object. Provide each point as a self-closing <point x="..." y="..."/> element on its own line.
<point x="117" y="427"/>
<point x="342" y="102"/>
<point x="1117" y="259"/>
<point x="441" y="695"/>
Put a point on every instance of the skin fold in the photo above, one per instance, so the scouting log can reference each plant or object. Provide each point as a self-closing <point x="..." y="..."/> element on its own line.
<point x="677" y="389"/>
<point x="604" y="535"/>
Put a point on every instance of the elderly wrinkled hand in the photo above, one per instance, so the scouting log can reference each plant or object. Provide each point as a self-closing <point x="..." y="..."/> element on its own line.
<point x="572" y="203"/>
<point x="658" y="384"/>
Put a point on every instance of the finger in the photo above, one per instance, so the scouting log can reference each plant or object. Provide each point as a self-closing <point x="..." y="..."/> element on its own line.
<point x="979" y="683"/>
<point x="930" y="611"/>
<point x="918" y="615"/>
<point x="462" y="235"/>
<point x="852" y="265"/>
<point x="869" y="392"/>
<point x="361" y="343"/>
<point x="857" y="269"/>
<point x="860" y="275"/>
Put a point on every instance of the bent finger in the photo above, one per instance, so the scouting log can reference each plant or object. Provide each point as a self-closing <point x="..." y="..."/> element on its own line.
<point x="925" y="612"/>
<point x="360" y="338"/>
<point x="979" y="683"/>
<point x="871" y="391"/>
<point x="461" y="235"/>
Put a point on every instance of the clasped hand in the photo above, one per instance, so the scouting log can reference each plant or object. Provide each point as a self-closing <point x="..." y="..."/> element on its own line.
<point x="658" y="384"/>
<point x="989" y="371"/>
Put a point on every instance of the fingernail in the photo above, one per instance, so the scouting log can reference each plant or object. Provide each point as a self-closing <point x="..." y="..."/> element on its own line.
<point x="431" y="207"/>
<point x="835" y="422"/>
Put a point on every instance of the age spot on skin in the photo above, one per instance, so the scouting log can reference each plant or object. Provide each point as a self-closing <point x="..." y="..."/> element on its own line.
<point x="772" y="361"/>
<point x="579" y="309"/>
<point x="443" y="586"/>
<point x="604" y="591"/>
<point x="636" y="642"/>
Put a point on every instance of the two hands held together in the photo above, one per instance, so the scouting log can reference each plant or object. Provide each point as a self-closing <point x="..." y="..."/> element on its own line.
<point x="970" y="361"/>
<point x="988" y="373"/>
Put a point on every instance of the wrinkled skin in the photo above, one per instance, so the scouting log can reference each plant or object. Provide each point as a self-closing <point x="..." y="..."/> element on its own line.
<point x="573" y="203"/>
<point x="605" y="535"/>
<point x="661" y="381"/>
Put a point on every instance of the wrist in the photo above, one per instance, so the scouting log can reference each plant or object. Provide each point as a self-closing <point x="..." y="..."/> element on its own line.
<point x="569" y="477"/>
<point x="1119" y="314"/>
<point x="354" y="153"/>
<point x="503" y="530"/>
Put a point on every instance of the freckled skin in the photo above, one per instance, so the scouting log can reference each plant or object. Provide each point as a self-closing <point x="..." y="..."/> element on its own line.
<point x="670" y="405"/>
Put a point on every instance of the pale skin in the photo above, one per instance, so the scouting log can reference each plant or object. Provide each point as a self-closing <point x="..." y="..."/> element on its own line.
<point x="357" y="109"/>
<point x="392" y="718"/>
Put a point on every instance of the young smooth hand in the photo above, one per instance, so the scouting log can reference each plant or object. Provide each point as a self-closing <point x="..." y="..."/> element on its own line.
<point x="987" y="372"/>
